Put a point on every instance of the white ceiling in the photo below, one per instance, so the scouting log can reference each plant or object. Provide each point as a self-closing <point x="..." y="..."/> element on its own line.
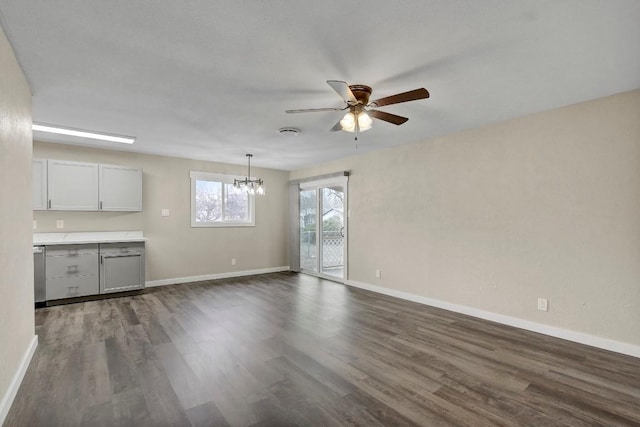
<point x="211" y="80"/>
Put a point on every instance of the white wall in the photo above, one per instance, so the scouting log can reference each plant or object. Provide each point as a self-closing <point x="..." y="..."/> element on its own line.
<point x="17" y="339"/>
<point x="493" y="218"/>
<point x="174" y="249"/>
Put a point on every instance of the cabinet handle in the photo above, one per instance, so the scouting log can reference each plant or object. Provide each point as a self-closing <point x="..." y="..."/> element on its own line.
<point x="100" y="204"/>
<point x="49" y="203"/>
<point x="101" y="260"/>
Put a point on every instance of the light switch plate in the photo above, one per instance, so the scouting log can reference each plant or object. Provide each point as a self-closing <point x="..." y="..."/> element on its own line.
<point x="35" y="224"/>
<point x="543" y="304"/>
<point x="60" y="223"/>
<point x="165" y="212"/>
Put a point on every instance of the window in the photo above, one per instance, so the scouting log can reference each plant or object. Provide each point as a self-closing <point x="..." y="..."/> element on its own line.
<point x="215" y="202"/>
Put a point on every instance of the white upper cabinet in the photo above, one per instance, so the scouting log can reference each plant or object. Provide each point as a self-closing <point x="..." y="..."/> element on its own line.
<point x="78" y="186"/>
<point x="72" y="186"/>
<point x="120" y="188"/>
<point x="39" y="180"/>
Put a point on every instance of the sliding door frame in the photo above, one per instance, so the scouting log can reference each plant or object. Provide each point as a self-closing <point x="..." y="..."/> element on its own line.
<point x="318" y="184"/>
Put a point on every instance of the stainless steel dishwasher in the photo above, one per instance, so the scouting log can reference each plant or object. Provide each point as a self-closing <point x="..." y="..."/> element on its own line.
<point x="39" y="280"/>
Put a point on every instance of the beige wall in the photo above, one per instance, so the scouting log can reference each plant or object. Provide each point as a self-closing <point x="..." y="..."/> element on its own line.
<point x="493" y="218"/>
<point x="174" y="249"/>
<point x="16" y="256"/>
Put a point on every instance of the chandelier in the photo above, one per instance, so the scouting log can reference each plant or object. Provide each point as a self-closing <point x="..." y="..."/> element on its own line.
<point x="251" y="186"/>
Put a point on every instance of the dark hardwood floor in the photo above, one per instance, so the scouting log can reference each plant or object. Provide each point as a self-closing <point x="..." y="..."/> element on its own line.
<point x="286" y="349"/>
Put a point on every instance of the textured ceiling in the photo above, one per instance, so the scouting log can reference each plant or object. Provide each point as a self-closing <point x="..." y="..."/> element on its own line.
<point x="211" y="80"/>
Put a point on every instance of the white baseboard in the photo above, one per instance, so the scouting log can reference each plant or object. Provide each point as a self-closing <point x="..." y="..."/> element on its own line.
<point x="579" y="337"/>
<point x="7" y="399"/>
<point x="177" y="280"/>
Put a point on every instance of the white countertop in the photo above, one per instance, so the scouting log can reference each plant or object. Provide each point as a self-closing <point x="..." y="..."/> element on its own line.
<point x="87" y="237"/>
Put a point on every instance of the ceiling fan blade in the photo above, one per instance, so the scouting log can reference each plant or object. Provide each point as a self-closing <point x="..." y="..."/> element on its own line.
<point x="412" y="95"/>
<point x="313" y="110"/>
<point x="387" y="117"/>
<point x="343" y="90"/>
<point x="336" y="127"/>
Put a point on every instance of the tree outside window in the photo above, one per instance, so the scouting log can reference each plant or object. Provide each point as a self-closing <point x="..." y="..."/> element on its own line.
<point x="216" y="202"/>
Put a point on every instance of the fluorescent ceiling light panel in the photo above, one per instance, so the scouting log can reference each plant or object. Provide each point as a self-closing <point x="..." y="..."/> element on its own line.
<point x="83" y="133"/>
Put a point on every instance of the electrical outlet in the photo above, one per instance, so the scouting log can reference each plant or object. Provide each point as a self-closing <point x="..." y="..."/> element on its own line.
<point x="543" y="304"/>
<point x="378" y="274"/>
<point x="164" y="212"/>
<point x="35" y="224"/>
<point x="233" y="261"/>
<point x="60" y="223"/>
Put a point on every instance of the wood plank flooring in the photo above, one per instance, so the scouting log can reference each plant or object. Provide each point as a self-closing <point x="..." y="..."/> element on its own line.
<point x="291" y="350"/>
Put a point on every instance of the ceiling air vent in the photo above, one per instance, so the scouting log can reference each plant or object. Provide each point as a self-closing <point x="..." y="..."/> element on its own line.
<point x="288" y="131"/>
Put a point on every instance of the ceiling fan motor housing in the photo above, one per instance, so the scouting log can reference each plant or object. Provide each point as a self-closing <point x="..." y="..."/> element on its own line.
<point x="361" y="92"/>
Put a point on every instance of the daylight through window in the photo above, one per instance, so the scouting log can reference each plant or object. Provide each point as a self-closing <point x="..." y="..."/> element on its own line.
<point x="215" y="202"/>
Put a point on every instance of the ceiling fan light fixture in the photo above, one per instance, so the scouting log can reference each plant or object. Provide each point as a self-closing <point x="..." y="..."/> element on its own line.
<point x="364" y="121"/>
<point x="348" y="122"/>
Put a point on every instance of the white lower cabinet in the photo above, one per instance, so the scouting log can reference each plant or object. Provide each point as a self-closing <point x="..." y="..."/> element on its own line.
<point x="92" y="269"/>
<point x="121" y="267"/>
<point x="71" y="271"/>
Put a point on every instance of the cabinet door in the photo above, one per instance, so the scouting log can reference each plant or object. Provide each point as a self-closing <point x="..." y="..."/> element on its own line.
<point x="121" y="273"/>
<point x="39" y="184"/>
<point x="72" y="186"/>
<point x="120" y="188"/>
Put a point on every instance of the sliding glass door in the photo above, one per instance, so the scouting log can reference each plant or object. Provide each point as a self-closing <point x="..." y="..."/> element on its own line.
<point x="308" y="230"/>
<point x="332" y="235"/>
<point x="323" y="228"/>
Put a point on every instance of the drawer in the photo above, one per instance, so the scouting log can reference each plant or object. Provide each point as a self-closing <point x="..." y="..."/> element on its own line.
<point x="72" y="287"/>
<point x="121" y="248"/>
<point x="71" y="250"/>
<point x="71" y="265"/>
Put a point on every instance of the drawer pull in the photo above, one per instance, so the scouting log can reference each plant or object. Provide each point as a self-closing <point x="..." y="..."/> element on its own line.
<point x="72" y="267"/>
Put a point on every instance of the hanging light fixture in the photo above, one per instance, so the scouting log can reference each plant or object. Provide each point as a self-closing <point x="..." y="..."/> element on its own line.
<point x="251" y="186"/>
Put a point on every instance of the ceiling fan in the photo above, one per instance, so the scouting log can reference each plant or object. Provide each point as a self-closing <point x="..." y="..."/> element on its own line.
<point x="361" y="110"/>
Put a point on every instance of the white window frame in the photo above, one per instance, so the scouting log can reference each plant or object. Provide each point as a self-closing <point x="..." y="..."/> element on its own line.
<point x="224" y="179"/>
